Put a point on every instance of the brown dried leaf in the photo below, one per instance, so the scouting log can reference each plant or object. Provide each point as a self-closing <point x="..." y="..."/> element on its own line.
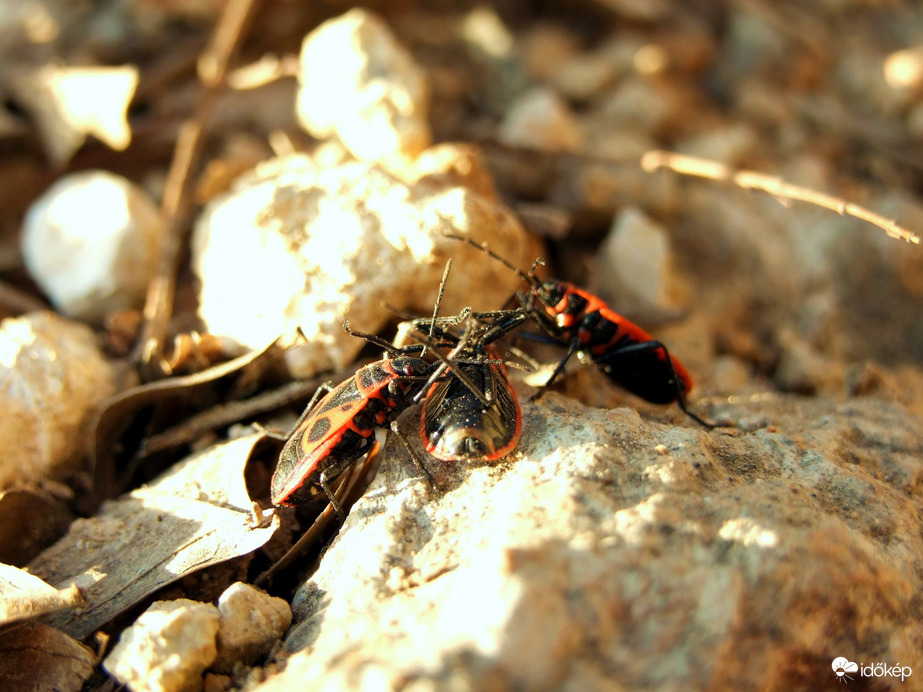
<point x="38" y="657"/>
<point x="24" y="596"/>
<point x="196" y="515"/>
<point x="122" y="410"/>
<point x="30" y="520"/>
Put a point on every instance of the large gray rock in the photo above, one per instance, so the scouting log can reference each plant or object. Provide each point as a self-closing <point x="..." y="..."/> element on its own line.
<point x="611" y="552"/>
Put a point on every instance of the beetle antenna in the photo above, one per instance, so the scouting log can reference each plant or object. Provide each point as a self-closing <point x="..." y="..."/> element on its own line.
<point x="528" y="278"/>
<point x="432" y="323"/>
<point x="448" y="364"/>
<point x="371" y="338"/>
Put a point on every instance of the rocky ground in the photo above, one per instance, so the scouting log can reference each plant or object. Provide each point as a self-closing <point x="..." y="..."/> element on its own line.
<point x="620" y="545"/>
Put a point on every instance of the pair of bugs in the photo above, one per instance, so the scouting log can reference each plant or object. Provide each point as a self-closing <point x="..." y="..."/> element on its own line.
<point x="469" y="410"/>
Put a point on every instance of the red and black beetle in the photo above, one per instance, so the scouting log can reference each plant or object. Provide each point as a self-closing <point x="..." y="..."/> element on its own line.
<point x="582" y="323"/>
<point x="339" y="429"/>
<point x="475" y="417"/>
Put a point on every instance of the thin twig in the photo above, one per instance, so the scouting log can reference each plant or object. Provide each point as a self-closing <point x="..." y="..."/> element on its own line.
<point x="213" y="66"/>
<point x="224" y="414"/>
<point x="751" y="180"/>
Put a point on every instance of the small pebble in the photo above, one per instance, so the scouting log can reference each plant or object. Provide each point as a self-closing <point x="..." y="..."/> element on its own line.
<point x="541" y="120"/>
<point x="92" y="242"/>
<point x="636" y="255"/>
<point x="167" y="649"/>
<point x="251" y="621"/>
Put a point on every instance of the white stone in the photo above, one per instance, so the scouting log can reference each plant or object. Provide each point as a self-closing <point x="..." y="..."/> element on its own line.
<point x="70" y="102"/>
<point x="585" y="76"/>
<point x="641" y="104"/>
<point x="320" y="245"/>
<point x="358" y="83"/>
<point x="167" y="649"/>
<point x="251" y="622"/>
<point x="92" y="243"/>
<point x="635" y="259"/>
<point x="540" y="119"/>
<point x="728" y="144"/>
<point x="52" y="378"/>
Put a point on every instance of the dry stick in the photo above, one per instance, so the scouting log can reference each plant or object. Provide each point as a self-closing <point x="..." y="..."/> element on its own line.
<point x="751" y="180"/>
<point x="158" y="307"/>
<point x="222" y="415"/>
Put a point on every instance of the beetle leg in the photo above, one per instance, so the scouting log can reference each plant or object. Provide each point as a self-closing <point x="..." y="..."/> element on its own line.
<point x="413" y="455"/>
<point x="680" y="400"/>
<point x="572" y="349"/>
<point x="328" y="491"/>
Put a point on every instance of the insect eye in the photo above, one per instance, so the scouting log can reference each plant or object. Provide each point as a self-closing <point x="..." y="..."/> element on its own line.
<point x="551" y="292"/>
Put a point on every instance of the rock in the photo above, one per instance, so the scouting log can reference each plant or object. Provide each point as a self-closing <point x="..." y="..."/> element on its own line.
<point x="70" y="102"/>
<point x="376" y="100"/>
<point x="167" y="649"/>
<point x="92" y="243"/>
<point x="903" y="71"/>
<point x="620" y="144"/>
<point x="642" y="105"/>
<point x="614" y="552"/>
<point x="543" y="48"/>
<point x="484" y="30"/>
<point x="297" y="244"/>
<point x="251" y="621"/>
<point x="54" y="378"/>
<point x="540" y="119"/>
<point x="584" y="76"/>
<point x="732" y="145"/>
<point x="802" y="368"/>
<point x="634" y="262"/>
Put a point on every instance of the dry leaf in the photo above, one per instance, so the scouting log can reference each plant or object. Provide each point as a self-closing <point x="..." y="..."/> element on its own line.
<point x="24" y="596"/>
<point x="30" y="520"/>
<point x="38" y="657"/>
<point x="196" y="515"/>
<point x="122" y="410"/>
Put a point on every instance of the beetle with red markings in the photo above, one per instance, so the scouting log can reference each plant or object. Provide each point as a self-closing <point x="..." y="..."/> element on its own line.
<point x="476" y="418"/>
<point x="582" y="323"/>
<point x="339" y="430"/>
